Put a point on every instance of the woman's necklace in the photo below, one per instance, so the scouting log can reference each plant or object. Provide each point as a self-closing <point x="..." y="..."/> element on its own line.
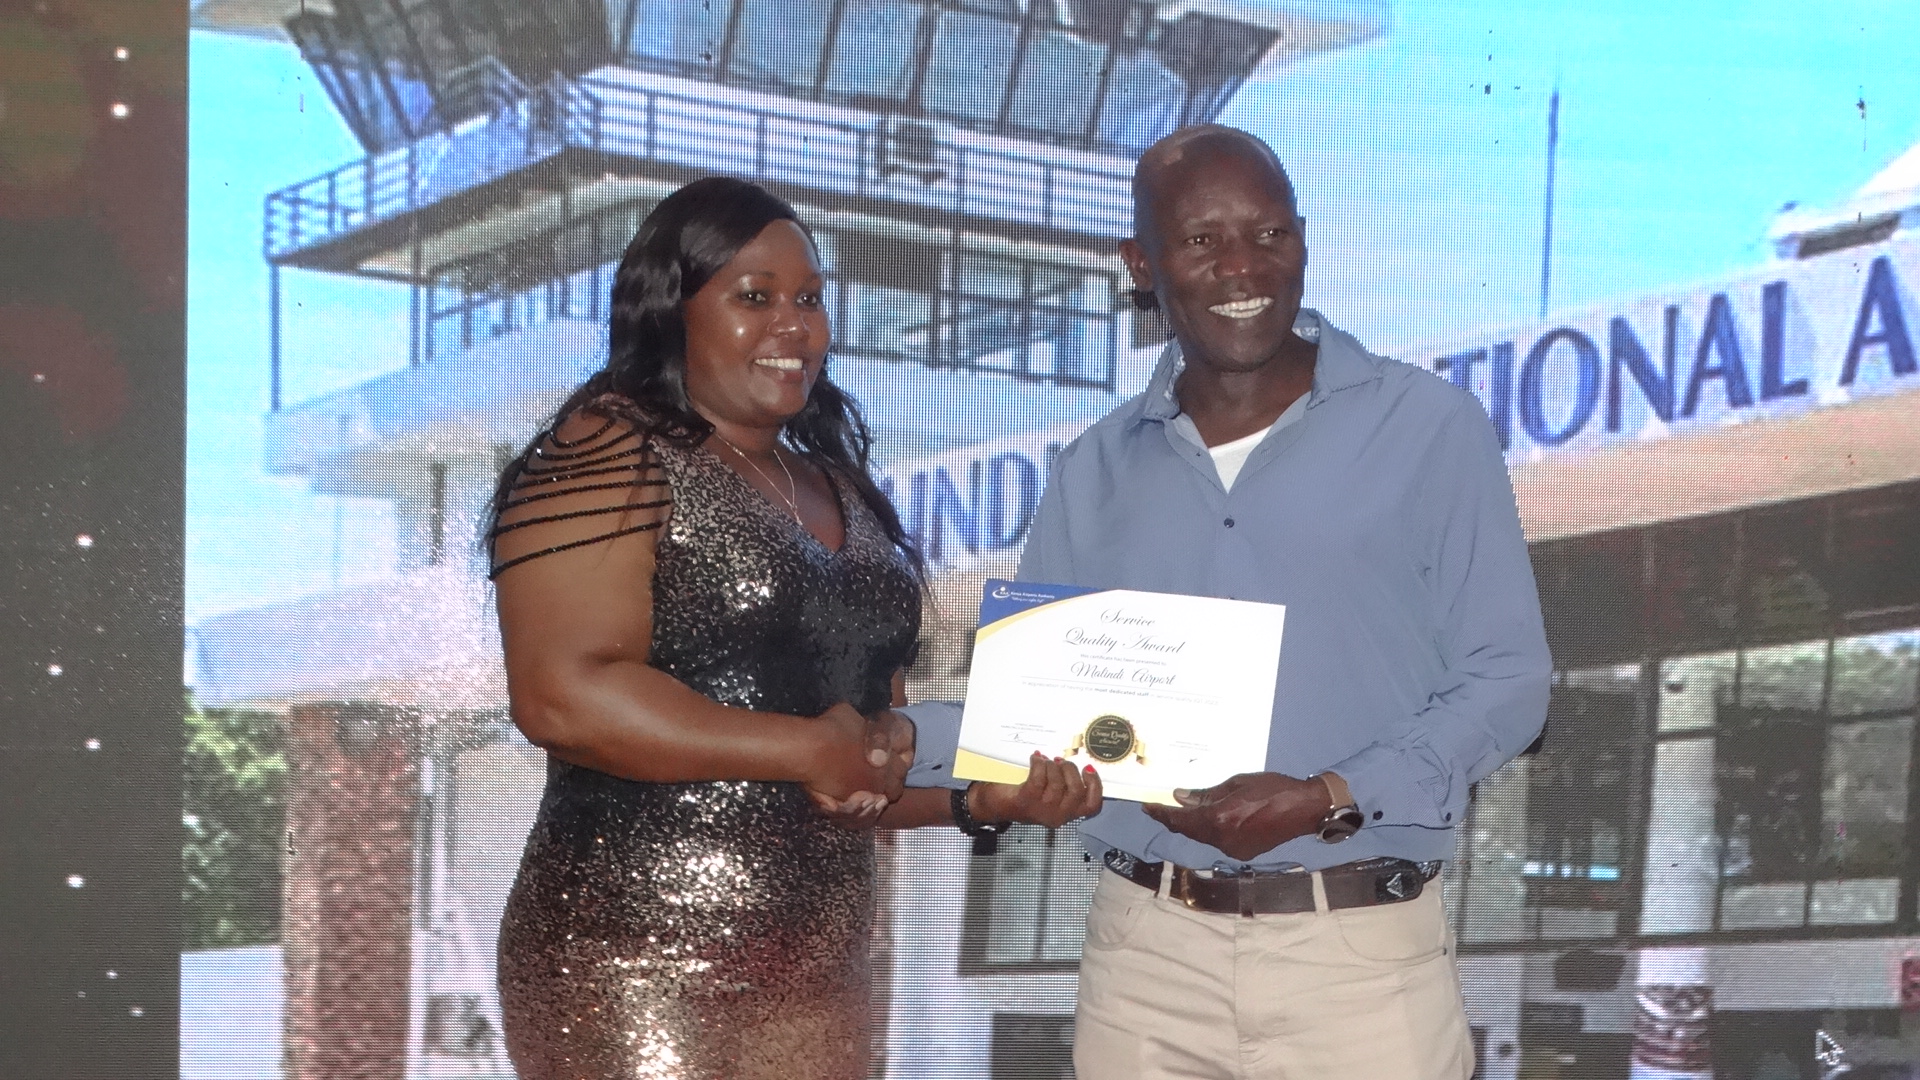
<point x="793" y="489"/>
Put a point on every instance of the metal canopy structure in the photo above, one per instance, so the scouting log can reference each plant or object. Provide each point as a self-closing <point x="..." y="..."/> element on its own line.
<point x="398" y="70"/>
<point x="1101" y="75"/>
<point x="512" y="147"/>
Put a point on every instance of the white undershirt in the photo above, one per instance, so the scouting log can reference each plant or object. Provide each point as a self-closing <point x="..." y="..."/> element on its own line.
<point x="1228" y="457"/>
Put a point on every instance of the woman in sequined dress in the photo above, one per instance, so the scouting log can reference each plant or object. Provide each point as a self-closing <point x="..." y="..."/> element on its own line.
<point x="706" y="606"/>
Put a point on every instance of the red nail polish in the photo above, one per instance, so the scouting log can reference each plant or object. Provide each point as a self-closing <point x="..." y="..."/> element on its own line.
<point x="1089" y="770"/>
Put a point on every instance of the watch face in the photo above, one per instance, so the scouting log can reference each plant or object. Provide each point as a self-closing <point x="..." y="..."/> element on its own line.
<point x="1340" y="823"/>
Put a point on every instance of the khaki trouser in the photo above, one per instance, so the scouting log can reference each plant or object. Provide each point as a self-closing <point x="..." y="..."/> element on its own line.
<point x="1357" y="994"/>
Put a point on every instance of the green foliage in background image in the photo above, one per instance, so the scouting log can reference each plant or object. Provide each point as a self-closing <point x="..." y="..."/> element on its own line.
<point x="235" y="821"/>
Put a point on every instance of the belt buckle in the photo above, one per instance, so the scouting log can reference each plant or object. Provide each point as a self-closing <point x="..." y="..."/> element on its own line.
<point x="1181" y="885"/>
<point x="1246" y="883"/>
<point x="1183" y="890"/>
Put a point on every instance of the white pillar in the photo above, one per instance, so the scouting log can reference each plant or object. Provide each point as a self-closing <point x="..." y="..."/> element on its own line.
<point x="1682" y="868"/>
<point x="1673" y="996"/>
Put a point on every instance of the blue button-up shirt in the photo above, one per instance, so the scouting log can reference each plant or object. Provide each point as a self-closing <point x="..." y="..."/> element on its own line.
<point x="1414" y="661"/>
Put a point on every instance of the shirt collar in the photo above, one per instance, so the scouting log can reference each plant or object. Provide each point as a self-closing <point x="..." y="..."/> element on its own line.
<point x="1340" y="365"/>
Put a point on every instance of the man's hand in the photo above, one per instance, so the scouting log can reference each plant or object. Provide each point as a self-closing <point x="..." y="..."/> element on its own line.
<point x="894" y="733"/>
<point x="1248" y="815"/>
<point x="890" y="753"/>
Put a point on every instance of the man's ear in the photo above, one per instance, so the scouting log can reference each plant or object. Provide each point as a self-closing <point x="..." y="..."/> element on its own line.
<point x="1135" y="257"/>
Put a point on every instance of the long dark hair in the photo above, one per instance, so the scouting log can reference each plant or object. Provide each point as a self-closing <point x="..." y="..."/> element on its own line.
<point x="681" y="245"/>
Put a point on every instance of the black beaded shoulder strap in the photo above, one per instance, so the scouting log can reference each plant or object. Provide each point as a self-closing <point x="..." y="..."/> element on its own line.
<point x="568" y="488"/>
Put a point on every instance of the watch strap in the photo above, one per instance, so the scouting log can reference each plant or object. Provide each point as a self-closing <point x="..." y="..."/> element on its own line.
<point x="1337" y="790"/>
<point x="1343" y="817"/>
<point x="964" y="820"/>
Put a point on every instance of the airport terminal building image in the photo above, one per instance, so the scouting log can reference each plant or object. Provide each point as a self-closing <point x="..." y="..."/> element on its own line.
<point x="1712" y="847"/>
<point x="1705" y="868"/>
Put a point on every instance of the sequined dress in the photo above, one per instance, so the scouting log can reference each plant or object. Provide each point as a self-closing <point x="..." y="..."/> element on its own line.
<point x="714" y="930"/>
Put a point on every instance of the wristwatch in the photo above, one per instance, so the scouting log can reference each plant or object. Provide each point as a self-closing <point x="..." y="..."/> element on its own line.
<point x="1344" y="818"/>
<point x="986" y="834"/>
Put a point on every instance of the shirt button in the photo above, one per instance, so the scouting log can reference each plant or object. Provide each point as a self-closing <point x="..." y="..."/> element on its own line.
<point x="1229" y="523"/>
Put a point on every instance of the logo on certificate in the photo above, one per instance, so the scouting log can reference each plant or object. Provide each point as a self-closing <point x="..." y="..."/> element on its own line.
<point x="1109" y="739"/>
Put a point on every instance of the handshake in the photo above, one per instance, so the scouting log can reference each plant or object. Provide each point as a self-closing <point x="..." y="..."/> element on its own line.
<point x="860" y="770"/>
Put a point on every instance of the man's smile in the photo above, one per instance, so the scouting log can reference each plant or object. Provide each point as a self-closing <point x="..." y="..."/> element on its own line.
<point x="1243" y="309"/>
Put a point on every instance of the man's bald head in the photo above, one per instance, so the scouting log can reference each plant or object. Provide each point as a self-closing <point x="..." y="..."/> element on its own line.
<point x="1220" y="247"/>
<point x="1186" y="148"/>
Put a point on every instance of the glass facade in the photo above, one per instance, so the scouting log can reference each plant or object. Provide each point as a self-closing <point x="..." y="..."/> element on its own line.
<point x="400" y="69"/>
<point x="1729" y="749"/>
<point x="1105" y="75"/>
<point x="948" y="305"/>
<point x="1563" y="874"/>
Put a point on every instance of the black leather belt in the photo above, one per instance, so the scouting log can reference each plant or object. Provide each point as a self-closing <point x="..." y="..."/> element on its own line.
<point x="1367" y="883"/>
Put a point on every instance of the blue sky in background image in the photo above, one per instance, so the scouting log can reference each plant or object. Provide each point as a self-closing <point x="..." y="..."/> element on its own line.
<point x="258" y="120"/>
<point x="1419" y="158"/>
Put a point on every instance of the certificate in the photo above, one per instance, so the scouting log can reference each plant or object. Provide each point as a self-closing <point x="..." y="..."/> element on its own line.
<point x="1156" y="691"/>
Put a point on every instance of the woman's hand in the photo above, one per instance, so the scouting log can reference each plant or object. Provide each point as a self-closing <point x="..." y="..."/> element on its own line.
<point x="858" y="811"/>
<point x="860" y="765"/>
<point x="889" y="748"/>
<point x="1055" y="792"/>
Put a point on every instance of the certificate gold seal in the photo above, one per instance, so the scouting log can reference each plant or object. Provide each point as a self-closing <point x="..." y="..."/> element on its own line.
<point x="1109" y="739"/>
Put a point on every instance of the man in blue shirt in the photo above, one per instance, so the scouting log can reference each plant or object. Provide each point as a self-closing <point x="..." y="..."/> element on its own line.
<point x="1276" y="925"/>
